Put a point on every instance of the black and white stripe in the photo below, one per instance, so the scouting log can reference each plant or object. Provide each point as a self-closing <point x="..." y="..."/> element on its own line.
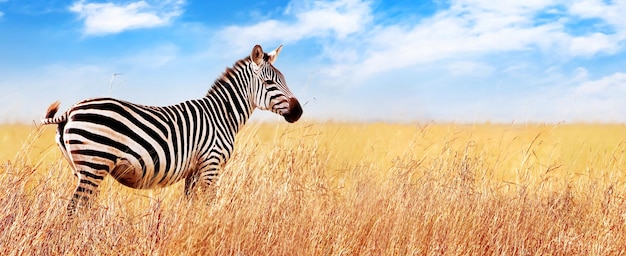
<point x="149" y="147"/>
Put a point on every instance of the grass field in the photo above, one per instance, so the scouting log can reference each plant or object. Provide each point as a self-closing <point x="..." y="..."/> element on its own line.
<point x="341" y="189"/>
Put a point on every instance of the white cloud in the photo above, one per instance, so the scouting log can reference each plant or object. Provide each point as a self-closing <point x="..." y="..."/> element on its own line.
<point x="611" y="16"/>
<point x="581" y="99"/>
<point x="319" y="19"/>
<point x="1" y="13"/>
<point x="607" y="87"/>
<point x="593" y="44"/>
<point x="468" y="28"/>
<point x="464" y="31"/>
<point x="506" y="7"/>
<point x="110" y="18"/>
<point x="469" y="68"/>
<point x="474" y="29"/>
<point x="612" y="13"/>
<point x="154" y="57"/>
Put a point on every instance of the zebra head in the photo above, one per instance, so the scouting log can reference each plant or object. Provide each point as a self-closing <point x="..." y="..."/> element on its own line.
<point x="270" y="91"/>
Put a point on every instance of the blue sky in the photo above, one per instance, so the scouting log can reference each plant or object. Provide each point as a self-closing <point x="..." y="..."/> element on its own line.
<point x="347" y="60"/>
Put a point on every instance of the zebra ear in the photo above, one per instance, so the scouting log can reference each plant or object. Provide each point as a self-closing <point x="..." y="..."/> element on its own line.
<point x="274" y="54"/>
<point x="257" y="54"/>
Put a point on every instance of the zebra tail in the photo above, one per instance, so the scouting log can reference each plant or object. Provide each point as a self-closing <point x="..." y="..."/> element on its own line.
<point x="49" y="117"/>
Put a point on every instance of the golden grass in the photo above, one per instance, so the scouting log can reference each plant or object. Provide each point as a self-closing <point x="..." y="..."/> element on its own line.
<point x="349" y="189"/>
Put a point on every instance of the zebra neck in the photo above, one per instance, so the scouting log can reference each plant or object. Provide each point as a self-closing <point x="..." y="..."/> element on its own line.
<point x="231" y="102"/>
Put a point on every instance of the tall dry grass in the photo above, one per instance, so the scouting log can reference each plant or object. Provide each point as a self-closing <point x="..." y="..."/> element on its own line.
<point x="343" y="189"/>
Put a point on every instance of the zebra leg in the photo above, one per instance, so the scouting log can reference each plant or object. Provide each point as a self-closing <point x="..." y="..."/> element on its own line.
<point x="209" y="169"/>
<point x="215" y="162"/>
<point x="190" y="183"/>
<point x="88" y="182"/>
<point x="209" y="175"/>
<point x="60" y="142"/>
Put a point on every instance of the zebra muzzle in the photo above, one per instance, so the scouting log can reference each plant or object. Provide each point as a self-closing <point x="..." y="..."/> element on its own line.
<point x="294" y="112"/>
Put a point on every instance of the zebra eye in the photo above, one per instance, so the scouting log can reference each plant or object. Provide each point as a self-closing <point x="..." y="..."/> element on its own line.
<point x="269" y="82"/>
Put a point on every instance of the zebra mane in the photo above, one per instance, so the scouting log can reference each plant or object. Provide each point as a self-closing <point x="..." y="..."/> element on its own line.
<point x="229" y="72"/>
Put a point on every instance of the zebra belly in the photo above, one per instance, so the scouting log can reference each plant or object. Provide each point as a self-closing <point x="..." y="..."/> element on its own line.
<point x="135" y="170"/>
<point x="126" y="174"/>
<point x="131" y="175"/>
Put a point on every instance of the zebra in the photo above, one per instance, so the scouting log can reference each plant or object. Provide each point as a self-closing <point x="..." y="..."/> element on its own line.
<point x="147" y="147"/>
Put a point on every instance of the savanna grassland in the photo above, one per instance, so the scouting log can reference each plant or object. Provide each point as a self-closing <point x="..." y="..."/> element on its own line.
<point x="341" y="189"/>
